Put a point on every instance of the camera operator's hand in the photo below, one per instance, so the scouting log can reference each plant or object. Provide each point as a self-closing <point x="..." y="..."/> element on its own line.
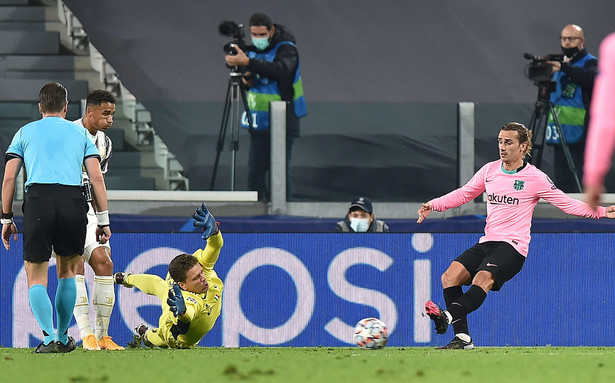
<point x="555" y="66"/>
<point x="247" y="79"/>
<point x="240" y="59"/>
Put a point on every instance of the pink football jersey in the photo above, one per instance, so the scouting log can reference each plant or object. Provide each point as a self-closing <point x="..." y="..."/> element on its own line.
<point x="511" y="199"/>
<point x="601" y="133"/>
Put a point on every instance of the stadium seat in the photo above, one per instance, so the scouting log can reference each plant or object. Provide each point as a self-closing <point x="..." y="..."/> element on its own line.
<point x="26" y="89"/>
<point x="22" y="18"/>
<point x="29" y="42"/>
<point x="38" y="66"/>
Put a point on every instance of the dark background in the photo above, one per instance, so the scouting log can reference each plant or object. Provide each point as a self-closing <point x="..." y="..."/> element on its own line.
<point x="381" y="78"/>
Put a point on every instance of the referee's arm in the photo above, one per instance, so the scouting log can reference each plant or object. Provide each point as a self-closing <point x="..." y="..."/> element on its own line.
<point x="11" y="170"/>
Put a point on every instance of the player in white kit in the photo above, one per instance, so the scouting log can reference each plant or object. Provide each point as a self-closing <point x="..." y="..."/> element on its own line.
<point x="100" y="108"/>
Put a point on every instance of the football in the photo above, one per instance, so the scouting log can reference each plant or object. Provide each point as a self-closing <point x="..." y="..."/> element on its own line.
<point x="370" y="334"/>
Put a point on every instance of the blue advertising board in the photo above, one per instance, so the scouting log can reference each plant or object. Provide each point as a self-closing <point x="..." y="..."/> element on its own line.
<point x="310" y="289"/>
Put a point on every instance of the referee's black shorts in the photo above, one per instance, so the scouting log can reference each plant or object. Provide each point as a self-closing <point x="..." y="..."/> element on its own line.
<point x="501" y="259"/>
<point x="54" y="219"/>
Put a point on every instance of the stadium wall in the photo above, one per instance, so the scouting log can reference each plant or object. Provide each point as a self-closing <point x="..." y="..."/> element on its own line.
<point x="382" y="82"/>
<point x="306" y="289"/>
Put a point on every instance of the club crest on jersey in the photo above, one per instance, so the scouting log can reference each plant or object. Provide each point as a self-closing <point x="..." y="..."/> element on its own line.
<point x="519" y="184"/>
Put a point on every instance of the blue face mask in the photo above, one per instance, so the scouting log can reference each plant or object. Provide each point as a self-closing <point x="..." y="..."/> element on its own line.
<point x="260" y="42"/>
<point x="360" y="225"/>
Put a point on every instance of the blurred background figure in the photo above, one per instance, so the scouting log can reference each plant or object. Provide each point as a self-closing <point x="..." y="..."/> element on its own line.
<point x="271" y="74"/>
<point x="361" y="219"/>
<point x="574" y="81"/>
<point x="601" y="135"/>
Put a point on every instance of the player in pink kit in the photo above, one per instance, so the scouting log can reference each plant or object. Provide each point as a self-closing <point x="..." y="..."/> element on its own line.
<point x="513" y="189"/>
<point x="601" y="133"/>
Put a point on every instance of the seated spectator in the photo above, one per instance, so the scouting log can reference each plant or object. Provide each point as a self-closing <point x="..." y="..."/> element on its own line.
<point x="360" y="218"/>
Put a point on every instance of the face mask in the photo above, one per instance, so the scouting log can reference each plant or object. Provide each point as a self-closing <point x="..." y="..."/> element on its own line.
<point x="260" y="42"/>
<point x="570" y="52"/>
<point x="359" y="225"/>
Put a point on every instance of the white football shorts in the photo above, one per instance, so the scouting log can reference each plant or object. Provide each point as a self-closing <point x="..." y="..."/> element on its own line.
<point x="90" y="236"/>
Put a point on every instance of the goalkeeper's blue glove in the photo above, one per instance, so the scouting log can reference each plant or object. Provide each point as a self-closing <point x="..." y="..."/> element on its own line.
<point x="203" y="219"/>
<point x="176" y="300"/>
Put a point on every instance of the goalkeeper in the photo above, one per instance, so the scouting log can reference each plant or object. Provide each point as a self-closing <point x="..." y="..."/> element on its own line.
<point x="190" y="296"/>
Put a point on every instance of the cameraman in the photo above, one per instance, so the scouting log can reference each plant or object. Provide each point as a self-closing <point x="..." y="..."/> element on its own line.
<point x="574" y="79"/>
<point x="272" y="74"/>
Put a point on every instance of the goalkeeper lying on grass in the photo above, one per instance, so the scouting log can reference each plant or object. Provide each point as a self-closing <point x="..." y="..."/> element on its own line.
<point x="191" y="295"/>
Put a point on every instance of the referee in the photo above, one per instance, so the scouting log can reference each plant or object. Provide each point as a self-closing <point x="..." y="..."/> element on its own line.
<point x="53" y="151"/>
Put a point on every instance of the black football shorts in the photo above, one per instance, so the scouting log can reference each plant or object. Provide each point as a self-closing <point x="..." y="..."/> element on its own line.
<point x="54" y="219"/>
<point x="499" y="258"/>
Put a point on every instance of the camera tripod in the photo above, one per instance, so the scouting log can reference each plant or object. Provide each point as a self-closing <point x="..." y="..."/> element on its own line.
<point x="538" y="126"/>
<point x="231" y="113"/>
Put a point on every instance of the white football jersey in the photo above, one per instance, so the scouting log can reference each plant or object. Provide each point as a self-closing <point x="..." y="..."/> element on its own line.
<point x="105" y="148"/>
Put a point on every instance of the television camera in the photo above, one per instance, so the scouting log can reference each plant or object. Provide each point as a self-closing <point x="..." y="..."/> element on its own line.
<point x="538" y="70"/>
<point x="234" y="30"/>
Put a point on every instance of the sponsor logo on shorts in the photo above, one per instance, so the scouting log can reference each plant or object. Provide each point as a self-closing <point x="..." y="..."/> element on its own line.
<point x="491" y="264"/>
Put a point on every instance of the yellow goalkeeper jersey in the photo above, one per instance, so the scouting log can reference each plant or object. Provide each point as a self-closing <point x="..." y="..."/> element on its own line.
<point x="202" y="310"/>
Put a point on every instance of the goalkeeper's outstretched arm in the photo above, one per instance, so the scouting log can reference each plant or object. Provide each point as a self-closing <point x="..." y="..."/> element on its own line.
<point x="211" y="232"/>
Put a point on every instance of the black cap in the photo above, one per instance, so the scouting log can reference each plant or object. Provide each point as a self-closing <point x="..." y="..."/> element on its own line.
<point x="364" y="203"/>
<point x="260" y="19"/>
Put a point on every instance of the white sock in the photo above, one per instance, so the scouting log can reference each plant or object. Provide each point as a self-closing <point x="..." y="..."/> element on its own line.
<point x="464" y="337"/>
<point x="104" y="300"/>
<point x="82" y="307"/>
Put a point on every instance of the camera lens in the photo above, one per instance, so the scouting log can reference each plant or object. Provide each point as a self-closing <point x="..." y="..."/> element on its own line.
<point x="229" y="49"/>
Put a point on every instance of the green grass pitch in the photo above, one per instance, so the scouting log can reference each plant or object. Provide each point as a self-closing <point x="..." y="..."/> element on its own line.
<point x="320" y="364"/>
